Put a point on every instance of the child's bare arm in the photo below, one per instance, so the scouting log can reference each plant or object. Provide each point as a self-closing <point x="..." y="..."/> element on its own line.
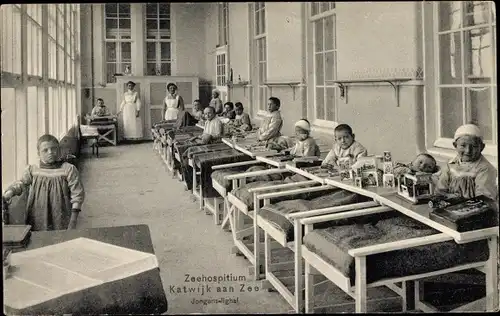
<point x="19" y="186"/>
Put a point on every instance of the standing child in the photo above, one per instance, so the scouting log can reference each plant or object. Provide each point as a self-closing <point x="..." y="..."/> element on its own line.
<point x="345" y="146"/>
<point x="216" y="102"/>
<point x="55" y="195"/>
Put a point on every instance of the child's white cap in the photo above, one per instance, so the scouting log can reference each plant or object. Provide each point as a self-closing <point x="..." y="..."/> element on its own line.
<point x="216" y="91"/>
<point x="468" y="129"/>
<point x="303" y="124"/>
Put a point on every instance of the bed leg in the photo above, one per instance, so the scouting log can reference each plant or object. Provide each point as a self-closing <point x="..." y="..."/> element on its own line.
<point x="216" y="211"/>
<point x="492" y="275"/>
<point x="361" y="289"/>
<point x="299" y="303"/>
<point x="256" y="238"/>
<point x="309" y="280"/>
<point x="419" y="294"/>
<point x="267" y="254"/>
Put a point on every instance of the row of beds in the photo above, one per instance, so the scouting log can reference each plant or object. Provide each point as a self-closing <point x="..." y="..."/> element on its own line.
<point x="300" y="233"/>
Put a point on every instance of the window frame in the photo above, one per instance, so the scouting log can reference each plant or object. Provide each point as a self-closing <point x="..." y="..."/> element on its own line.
<point x="158" y="40"/>
<point x="313" y="19"/>
<point x="260" y="36"/>
<point x="437" y="143"/>
<point x="118" y="40"/>
<point x="223" y="24"/>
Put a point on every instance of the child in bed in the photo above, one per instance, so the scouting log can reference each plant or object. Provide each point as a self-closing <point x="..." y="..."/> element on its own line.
<point x="345" y="146"/>
<point x="271" y="126"/>
<point x="469" y="174"/>
<point x="55" y="192"/>
<point x="422" y="163"/>
<point x="242" y="119"/>
<point x="213" y="129"/>
<point x="228" y="112"/>
<point x="305" y="145"/>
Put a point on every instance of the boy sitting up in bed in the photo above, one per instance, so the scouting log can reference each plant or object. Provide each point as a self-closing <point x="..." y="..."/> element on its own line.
<point x="345" y="146"/>
<point x="469" y="174"/>
<point x="242" y="119"/>
<point x="213" y="129"/>
<point x="270" y="128"/>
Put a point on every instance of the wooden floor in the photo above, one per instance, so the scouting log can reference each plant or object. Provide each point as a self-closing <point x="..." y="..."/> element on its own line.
<point x="128" y="184"/>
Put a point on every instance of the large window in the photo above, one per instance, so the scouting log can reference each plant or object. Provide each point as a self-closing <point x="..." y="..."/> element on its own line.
<point x="325" y="56"/>
<point x="118" y="39"/>
<point x="223" y="23"/>
<point x="261" y="54"/>
<point x="221" y="69"/>
<point x="34" y="39"/>
<point x="158" y="39"/>
<point x="11" y="33"/>
<point x="52" y="30"/>
<point x="465" y="69"/>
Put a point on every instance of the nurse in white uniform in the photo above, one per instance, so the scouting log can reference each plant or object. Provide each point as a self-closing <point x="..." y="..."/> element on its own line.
<point x="172" y="104"/>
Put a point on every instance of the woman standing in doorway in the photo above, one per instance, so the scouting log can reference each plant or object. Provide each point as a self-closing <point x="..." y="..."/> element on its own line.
<point x="172" y="104"/>
<point x="130" y="108"/>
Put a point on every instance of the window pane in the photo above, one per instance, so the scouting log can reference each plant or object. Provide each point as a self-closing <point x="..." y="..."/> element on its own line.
<point x="151" y="51"/>
<point x="151" y="24"/>
<point x="329" y="67"/>
<point x="478" y="55"/>
<point x="451" y="111"/>
<point x="318" y="26"/>
<point x="325" y="6"/>
<point x="450" y="15"/>
<point x="124" y="66"/>
<point x="165" y="51"/>
<point x="263" y="21"/>
<point x="330" y="104"/>
<point x="479" y="103"/>
<point x="110" y="72"/>
<point x="151" y="10"/>
<point x="320" y="104"/>
<point x="320" y="78"/>
<point x="124" y="23"/>
<point x="257" y="24"/>
<point x="126" y="51"/>
<point x="166" y="69"/>
<point x="329" y="33"/>
<point x="262" y="72"/>
<point x="476" y="13"/>
<point x="111" y="51"/>
<point x="111" y="10"/>
<point x="450" y="58"/>
<point x="164" y="9"/>
<point x="151" y="69"/>
<point x="124" y="9"/>
<point x="164" y="24"/>
<point x="314" y="8"/>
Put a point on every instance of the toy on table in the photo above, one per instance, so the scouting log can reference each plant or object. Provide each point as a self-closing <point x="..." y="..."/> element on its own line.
<point x="388" y="178"/>
<point x="365" y="172"/>
<point x="440" y="201"/>
<point x="415" y="188"/>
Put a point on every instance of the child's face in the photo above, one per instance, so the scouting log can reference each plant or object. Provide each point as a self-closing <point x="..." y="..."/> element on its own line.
<point x="301" y="134"/>
<point x="344" y="138"/>
<point x="469" y="148"/>
<point x="424" y="164"/>
<point x="215" y="95"/>
<point x="209" y="114"/>
<point x="271" y="107"/>
<point x="196" y="106"/>
<point x="48" y="152"/>
<point x="227" y="108"/>
<point x="100" y="102"/>
<point x="238" y="111"/>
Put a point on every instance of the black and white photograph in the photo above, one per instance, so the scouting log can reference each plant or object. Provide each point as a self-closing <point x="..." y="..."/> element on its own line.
<point x="147" y="150"/>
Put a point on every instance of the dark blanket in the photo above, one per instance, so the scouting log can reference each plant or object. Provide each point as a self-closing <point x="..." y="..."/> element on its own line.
<point x="218" y="175"/>
<point x="333" y="244"/>
<point x="206" y="161"/>
<point x="276" y="213"/>
<point x="184" y="118"/>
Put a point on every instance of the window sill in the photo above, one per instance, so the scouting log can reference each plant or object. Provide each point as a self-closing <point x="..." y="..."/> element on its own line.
<point x="445" y="154"/>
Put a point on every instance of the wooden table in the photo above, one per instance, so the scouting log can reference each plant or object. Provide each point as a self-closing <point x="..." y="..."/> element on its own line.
<point x="91" y="132"/>
<point x="152" y="299"/>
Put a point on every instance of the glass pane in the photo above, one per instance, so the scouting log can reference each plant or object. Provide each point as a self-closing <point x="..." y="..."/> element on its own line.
<point x="164" y="24"/>
<point x="330" y="104"/>
<point x="325" y="6"/>
<point x="111" y="10"/>
<point x="319" y="69"/>
<point x="111" y="24"/>
<point x="165" y="51"/>
<point x="329" y="33"/>
<point x="479" y="103"/>
<point x="124" y="23"/>
<point x="263" y="98"/>
<point x="262" y="72"/>
<point x="151" y="69"/>
<point x="152" y="10"/>
<point x="314" y="8"/>
<point x="329" y="67"/>
<point x="263" y="21"/>
<point x="451" y="111"/>
<point x="151" y="51"/>
<point x="164" y="9"/>
<point x="166" y="69"/>
<point x="450" y="58"/>
<point x="450" y="14"/>
<point x="126" y="51"/>
<point x="318" y="27"/>
<point x="124" y="9"/>
<point x="151" y="24"/>
<point x="110" y="52"/>
<point x="476" y="13"/>
<point x="332" y="5"/>
<point x="257" y="24"/>
<point x="478" y="55"/>
<point x="124" y="66"/>
<point x="320" y="103"/>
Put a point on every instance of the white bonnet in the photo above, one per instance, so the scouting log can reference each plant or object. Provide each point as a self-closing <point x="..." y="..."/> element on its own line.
<point x="304" y="125"/>
<point x="468" y="129"/>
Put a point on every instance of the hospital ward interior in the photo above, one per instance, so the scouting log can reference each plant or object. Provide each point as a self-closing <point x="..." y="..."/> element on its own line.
<point x="249" y="157"/>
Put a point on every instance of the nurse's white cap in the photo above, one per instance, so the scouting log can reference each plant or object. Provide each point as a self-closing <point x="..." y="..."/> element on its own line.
<point x="468" y="129"/>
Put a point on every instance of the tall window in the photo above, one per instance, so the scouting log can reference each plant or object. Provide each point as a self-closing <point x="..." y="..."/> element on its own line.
<point x="52" y="30"/>
<point x="60" y="42"/>
<point x="261" y="53"/>
<point x="158" y="40"/>
<point x="34" y="38"/>
<point x="465" y="43"/>
<point x="223" y="23"/>
<point x="325" y="56"/>
<point x="118" y="39"/>
<point x="221" y="69"/>
<point x="11" y="34"/>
